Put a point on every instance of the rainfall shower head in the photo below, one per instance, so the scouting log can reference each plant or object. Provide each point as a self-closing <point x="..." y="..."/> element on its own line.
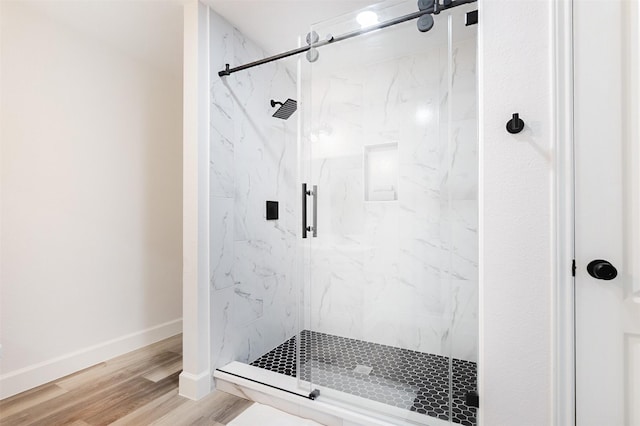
<point x="286" y="109"/>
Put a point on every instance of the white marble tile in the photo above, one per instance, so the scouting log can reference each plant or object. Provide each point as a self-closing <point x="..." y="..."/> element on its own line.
<point x="221" y="110"/>
<point x="246" y="342"/>
<point x="253" y="159"/>
<point x="461" y="334"/>
<point x="247" y="303"/>
<point x="344" y="204"/>
<point x="237" y="334"/>
<point x="221" y="245"/>
<point x="264" y="415"/>
<point x="222" y="137"/>
<point x="323" y="418"/>
<point x="464" y="81"/>
<point x="402" y="255"/>
<point x="411" y="330"/>
<point x="223" y="348"/>
<point x="337" y="296"/>
<point x="220" y="42"/>
<point x="402" y="273"/>
<point x="464" y="164"/>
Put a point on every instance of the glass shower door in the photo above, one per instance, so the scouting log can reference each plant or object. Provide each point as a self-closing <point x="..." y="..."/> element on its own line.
<point x="389" y="140"/>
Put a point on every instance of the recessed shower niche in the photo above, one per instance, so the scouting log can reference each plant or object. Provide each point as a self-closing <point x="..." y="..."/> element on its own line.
<point x="381" y="172"/>
<point x="376" y="312"/>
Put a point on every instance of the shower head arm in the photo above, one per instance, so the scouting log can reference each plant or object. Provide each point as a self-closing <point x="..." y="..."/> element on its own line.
<point x="274" y="103"/>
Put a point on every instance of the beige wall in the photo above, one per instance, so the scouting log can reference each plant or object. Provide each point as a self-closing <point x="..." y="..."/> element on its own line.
<point x="91" y="196"/>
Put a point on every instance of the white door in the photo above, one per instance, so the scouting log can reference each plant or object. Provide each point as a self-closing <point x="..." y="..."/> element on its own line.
<point x="607" y="236"/>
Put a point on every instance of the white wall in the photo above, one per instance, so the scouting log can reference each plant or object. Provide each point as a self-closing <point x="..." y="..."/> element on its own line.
<point x="517" y="257"/>
<point x="91" y="196"/>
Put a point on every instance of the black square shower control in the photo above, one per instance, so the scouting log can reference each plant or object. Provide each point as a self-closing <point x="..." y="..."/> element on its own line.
<point x="272" y="210"/>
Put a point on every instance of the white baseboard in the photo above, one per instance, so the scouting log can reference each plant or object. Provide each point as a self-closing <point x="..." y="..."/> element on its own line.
<point x="195" y="386"/>
<point x="38" y="374"/>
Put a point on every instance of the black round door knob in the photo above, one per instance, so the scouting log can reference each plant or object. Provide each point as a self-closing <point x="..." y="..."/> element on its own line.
<point x="602" y="269"/>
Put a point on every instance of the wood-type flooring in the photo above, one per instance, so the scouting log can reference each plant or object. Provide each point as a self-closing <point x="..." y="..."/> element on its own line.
<point x="138" y="388"/>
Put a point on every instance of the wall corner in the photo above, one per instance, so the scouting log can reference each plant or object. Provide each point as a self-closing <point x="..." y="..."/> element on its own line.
<point x="195" y="380"/>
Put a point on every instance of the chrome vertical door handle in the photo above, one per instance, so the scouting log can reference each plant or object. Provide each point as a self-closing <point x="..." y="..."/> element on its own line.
<point x="314" y="228"/>
<point x="304" y="210"/>
<point x="305" y="228"/>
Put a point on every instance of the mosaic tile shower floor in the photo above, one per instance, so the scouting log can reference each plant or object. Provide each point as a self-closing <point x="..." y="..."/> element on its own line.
<point x="403" y="378"/>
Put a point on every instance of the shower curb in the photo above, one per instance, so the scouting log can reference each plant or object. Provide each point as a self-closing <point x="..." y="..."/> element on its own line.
<point x="231" y="379"/>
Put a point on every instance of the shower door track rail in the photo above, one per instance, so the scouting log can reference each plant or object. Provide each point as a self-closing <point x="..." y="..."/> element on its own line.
<point x="312" y="395"/>
<point x="434" y="10"/>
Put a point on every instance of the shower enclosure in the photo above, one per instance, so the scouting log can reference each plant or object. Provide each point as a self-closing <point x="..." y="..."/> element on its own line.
<point x="362" y="293"/>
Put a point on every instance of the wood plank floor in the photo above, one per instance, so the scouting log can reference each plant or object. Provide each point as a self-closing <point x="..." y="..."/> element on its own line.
<point x="138" y="388"/>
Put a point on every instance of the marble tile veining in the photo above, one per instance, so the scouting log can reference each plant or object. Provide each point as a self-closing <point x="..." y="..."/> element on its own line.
<point x="401" y="273"/>
<point x="252" y="160"/>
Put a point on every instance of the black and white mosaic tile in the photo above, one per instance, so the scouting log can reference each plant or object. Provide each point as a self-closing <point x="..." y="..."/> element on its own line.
<point x="403" y="378"/>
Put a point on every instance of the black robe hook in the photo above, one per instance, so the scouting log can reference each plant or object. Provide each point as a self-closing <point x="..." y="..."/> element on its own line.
<point x="515" y="125"/>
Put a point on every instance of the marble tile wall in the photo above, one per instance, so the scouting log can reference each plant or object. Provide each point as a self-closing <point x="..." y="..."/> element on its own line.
<point x="253" y="159"/>
<point x="402" y="273"/>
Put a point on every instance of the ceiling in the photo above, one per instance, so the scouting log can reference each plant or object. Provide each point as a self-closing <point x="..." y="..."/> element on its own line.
<point x="276" y="24"/>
